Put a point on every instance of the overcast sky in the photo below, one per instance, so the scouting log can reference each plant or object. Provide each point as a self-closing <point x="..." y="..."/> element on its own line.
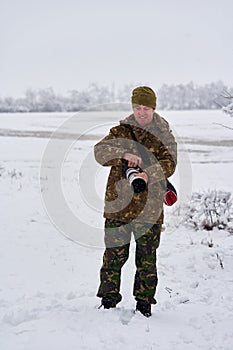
<point x="67" y="44"/>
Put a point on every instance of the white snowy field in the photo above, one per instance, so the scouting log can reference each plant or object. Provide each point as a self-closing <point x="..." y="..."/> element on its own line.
<point x="49" y="283"/>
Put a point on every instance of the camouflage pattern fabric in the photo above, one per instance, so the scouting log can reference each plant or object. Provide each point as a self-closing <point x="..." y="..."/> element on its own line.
<point x="121" y="203"/>
<point x="147" y="238"/>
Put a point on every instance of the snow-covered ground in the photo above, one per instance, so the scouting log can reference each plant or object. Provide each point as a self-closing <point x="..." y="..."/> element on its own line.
<point x="48" y="282"/>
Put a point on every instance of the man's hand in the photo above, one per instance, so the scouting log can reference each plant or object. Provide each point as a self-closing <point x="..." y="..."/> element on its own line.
<point x="142" y="175"/>
<point x="133" y="161"/>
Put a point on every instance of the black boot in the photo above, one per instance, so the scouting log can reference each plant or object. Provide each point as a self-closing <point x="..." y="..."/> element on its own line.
<point x="108" y="303"/>
<point x="144" y="308"/>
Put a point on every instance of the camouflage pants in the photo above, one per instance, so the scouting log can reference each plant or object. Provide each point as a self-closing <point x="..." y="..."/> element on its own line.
<point x="147" y="239"/>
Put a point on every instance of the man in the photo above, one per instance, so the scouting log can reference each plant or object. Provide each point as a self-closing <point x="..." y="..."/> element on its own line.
<point x="143" y="141"/>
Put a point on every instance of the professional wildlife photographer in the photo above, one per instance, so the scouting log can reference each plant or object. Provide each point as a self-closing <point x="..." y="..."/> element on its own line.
<point x="142" y="153"/>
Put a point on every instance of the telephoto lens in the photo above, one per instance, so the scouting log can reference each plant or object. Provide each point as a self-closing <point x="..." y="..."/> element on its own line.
<point x="137" y="183"/>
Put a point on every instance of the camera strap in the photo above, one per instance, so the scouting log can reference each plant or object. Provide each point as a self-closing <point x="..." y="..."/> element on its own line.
<point x="140" y="148"/>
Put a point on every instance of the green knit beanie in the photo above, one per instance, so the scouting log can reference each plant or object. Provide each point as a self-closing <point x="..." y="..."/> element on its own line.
<point x="143" y="95"/>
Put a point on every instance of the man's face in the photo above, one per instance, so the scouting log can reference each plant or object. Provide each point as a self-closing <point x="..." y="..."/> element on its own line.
<point x="143" y="114"/>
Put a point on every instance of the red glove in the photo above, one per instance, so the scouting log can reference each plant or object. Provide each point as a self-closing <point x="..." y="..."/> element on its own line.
<point x="170" y="197"/>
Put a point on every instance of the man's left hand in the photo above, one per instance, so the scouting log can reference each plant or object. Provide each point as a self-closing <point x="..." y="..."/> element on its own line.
<point x="143" y="175"/>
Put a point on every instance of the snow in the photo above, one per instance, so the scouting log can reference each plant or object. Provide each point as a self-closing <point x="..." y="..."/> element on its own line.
<point x="49" y="283"/>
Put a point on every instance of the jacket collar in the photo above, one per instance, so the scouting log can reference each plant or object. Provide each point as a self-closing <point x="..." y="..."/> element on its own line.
<point x="154" y="125"/>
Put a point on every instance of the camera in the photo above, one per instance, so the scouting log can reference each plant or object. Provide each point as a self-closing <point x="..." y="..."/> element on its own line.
<point x="137" y="183"/>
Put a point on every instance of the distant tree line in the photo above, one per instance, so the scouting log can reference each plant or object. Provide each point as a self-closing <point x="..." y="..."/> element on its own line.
<point x="170" y="97"/>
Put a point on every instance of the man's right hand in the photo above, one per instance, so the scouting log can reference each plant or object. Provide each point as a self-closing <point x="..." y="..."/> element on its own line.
<point x="133" y="161"/>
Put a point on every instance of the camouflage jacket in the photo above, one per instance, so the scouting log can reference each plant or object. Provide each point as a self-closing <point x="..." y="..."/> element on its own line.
<point x="121" y="203"/>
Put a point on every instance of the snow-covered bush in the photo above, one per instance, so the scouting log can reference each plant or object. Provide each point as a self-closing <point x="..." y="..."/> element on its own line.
<point x="228" y="108"/>
<point x="210" y="209"/>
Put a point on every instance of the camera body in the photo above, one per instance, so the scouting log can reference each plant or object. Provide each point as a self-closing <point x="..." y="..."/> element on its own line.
<point x="137" y="183"/>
